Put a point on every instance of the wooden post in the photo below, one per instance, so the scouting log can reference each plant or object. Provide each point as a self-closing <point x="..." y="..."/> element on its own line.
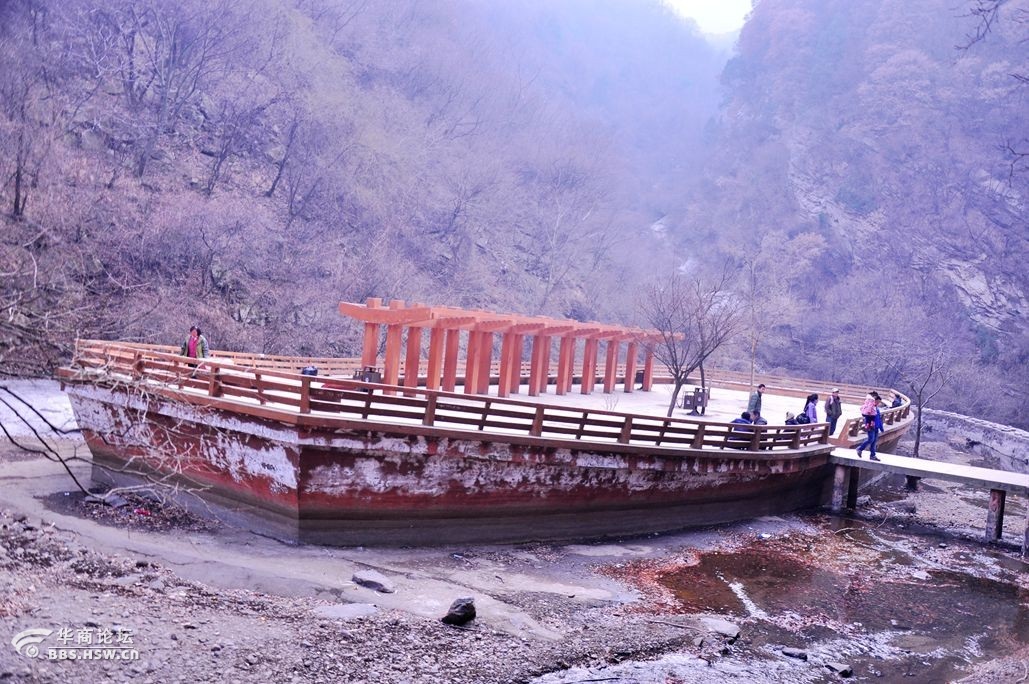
<point x="995" y="515"/>
<point x="626" y="433"/>
<point x="1025" y="537"/>
<point x="537" y="422"/>
<point x="630" y="366"/>
<point x="391" y="365"/>
<point x="370" y="350"/>
<point x="504" y="383"/>
<point x="453" y="346"/>
<point x="838" y="484"/>
<point x="648" y="370"/>
<point x="589" y="365"/>
<point x="516" y="363"/>
<point x="413" y="359"/>
<point x="611" y="365"/>
<point x="544" y="378"/>
<point x="471" y="362"/>
<point x="565" y="356"/>
<point x="852" y="487"/>
<point x="430" y="410"/>
<point x="485" y="350"/>
<point x="435" y="367"/>
<point x="305" y="394"/>
<point x="570" y="376"/>
<point x="534" y="365"/>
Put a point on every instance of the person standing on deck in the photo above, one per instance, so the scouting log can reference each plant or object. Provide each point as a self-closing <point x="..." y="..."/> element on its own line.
<point x="811" y="408"/>
<point x="833" y="409"/>
<point x="195" y="346"/>
<point x="874" y="428"/>
<point x="755" y="399"/>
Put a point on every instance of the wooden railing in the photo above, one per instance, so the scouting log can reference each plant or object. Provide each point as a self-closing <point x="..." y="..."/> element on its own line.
<point x="288" y="396"/>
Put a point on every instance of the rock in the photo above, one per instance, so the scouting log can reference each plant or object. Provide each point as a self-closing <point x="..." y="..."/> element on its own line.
<point x="794" y="653"/>
<point x="864" y="500"/>
<point x="698" y="642"/>
<point x="462" y="610"/>
<point x="720" y="626"/>
<point x="376" y="581"/>
<point x="842" y="669"/>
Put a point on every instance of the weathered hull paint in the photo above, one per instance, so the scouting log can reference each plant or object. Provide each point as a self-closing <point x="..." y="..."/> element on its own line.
<point x="383" y="484"/>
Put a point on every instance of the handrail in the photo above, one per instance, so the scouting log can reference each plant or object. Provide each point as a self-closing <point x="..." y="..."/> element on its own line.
<point x="313" y="400"/>
<point x="725" y="379"/>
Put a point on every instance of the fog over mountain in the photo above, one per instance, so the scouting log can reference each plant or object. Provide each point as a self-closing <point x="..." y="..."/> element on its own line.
<point x="246" y="165"/>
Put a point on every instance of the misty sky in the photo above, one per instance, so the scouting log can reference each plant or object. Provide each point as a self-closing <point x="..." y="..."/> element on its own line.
<point x="713" y="16"/>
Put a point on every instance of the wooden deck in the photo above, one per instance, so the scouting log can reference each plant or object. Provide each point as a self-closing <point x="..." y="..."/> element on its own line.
<point x="999" y="482"/>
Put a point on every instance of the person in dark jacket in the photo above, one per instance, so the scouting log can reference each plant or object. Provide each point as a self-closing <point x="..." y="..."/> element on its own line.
<point x="833" y="409"/>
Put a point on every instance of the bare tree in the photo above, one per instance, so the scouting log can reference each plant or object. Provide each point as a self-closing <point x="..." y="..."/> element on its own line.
<point x="922" y="370"/>
<point x="694" y="316"/>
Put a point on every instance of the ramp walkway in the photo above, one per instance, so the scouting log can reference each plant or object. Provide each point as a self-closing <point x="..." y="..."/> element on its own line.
<point x="999" y="482"/>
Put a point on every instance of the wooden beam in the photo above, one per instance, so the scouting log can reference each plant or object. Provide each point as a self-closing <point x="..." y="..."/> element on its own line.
<point x="391" y="316"/>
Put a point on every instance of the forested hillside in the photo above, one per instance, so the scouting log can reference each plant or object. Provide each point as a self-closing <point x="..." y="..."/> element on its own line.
<point x="247" y="165"/>
<point x="870" y="171"/>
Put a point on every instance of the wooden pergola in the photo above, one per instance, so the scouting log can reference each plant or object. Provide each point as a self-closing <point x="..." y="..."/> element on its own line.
<point x="446" y="325"/>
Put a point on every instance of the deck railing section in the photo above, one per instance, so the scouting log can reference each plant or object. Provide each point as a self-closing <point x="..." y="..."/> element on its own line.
<point x="316" y="400"/>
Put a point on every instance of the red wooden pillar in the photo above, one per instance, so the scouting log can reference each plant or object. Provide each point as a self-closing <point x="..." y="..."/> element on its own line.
<point x="570" y="378"/>
<point x="544" y="378"/>
<point x="370" y="349"/>
<point x="413" y="358"/>
<point x="535" y="362"/>
<point x="516" y="363"/>
<point x="611" y="365"/>
<point x="565" y="355"/>
<point x="485" y="362"/>
<point x="504" y="382"/>
<point x="471" y="362"/>
<point x="630" y="366"/>
<point x="589" y="365"/>
<point x="648" y="370"/>
<point x="432" y="374"/>
<point x="452" y="349"/>
<point x="391" y="365"/>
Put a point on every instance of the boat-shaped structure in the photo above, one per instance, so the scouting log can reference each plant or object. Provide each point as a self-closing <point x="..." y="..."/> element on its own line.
<point x="329" y="459"/>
